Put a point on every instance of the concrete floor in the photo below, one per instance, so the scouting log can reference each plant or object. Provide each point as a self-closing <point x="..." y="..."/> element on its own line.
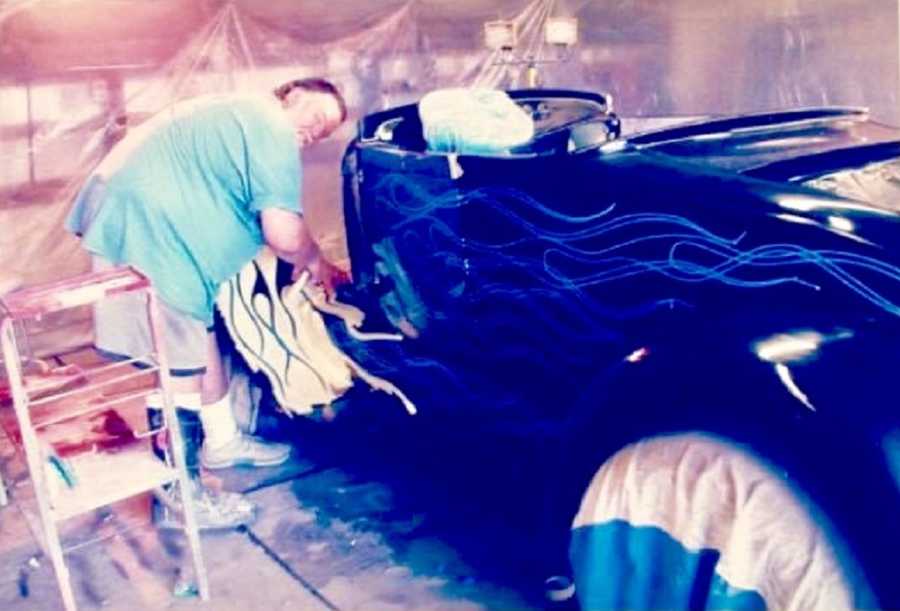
<point x="329" y="536"/>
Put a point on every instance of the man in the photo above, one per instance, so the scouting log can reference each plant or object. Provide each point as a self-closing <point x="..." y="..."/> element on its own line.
<point x="188" y="198"/>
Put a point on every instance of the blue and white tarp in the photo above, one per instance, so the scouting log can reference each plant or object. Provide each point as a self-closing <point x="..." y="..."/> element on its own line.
<point x="692" y="521"/>
<point x="473" y="121"/>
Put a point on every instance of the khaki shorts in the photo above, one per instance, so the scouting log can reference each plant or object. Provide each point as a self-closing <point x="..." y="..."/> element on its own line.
<point x="122" y="331"/>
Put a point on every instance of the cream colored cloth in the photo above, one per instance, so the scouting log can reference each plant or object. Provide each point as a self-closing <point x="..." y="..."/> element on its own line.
<point x="283" y="335"/>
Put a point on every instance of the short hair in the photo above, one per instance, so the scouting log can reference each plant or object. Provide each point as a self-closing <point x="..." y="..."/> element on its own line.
<point x="316" y="85"/>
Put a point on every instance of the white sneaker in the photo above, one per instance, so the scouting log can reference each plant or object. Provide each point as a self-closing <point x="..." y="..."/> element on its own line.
<point x="245" y="451"/>
<point x="214" y="511"/>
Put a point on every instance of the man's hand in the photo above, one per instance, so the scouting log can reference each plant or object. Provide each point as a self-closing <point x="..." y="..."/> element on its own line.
<point x="324" y="274"/>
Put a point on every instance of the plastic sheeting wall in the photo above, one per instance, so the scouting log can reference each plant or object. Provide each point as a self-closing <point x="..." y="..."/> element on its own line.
<point x="75" y="74"/>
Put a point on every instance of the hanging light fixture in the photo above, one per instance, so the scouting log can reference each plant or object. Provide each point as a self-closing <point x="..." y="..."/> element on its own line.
<point x="500" y="35"/>
<point x="561" y="31"/>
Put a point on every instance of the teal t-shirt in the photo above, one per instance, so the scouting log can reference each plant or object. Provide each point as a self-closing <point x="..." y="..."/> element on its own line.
<point x="179" y="198"/>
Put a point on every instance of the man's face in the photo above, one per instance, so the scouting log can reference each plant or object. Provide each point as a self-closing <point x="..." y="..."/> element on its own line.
<point x="315" y="115"/>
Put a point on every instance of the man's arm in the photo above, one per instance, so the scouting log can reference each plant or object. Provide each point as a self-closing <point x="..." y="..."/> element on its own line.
<point x="288" y="235"/>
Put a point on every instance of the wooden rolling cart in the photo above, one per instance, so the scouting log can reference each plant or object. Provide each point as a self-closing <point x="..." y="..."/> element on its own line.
<point x="66" y="488"/>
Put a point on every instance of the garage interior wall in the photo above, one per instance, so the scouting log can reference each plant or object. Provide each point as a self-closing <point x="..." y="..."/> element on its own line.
<point x="75" y="75"/>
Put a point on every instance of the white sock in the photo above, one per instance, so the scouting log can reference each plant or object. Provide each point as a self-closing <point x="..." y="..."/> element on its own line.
<point x="184" y="400"/>
<point x="218" y="421"/>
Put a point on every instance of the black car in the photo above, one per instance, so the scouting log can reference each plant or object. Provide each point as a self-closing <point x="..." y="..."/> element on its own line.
<point x="683" y="339"/>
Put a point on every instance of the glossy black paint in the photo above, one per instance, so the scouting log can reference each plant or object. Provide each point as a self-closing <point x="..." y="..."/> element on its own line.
<point x="531" y="277"/>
